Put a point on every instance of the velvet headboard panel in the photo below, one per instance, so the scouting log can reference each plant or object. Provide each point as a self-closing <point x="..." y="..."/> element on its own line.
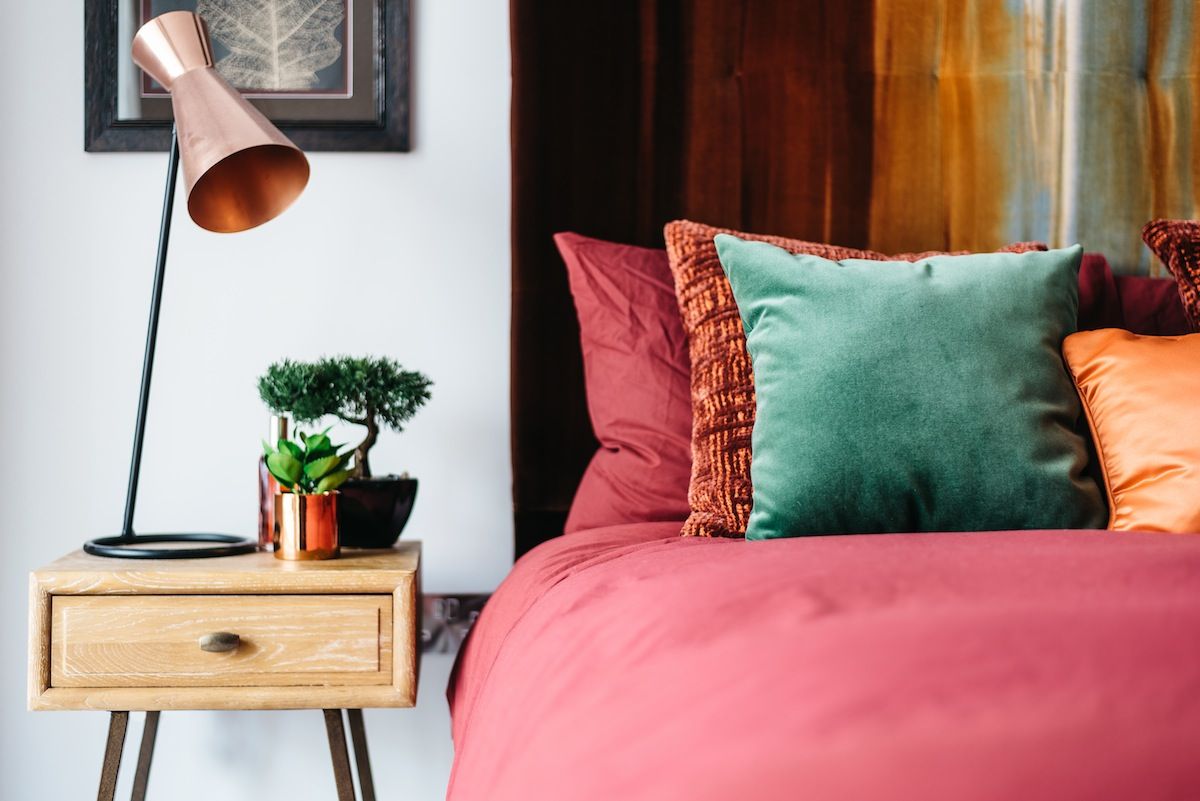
<point x="890" y="124"/>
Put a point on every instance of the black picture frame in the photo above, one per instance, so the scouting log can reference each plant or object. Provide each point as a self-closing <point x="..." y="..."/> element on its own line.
<point x="105" y="132"/>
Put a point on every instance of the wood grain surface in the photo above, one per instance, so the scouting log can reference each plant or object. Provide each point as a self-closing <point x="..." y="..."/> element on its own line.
<point x="153" y="640"/>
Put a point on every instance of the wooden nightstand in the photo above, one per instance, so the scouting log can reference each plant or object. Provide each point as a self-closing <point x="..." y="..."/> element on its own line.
<point x="242" y="632"/>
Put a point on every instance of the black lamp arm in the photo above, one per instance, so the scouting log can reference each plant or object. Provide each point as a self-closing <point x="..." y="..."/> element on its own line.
<point x="121" y="546"/>
<point x="160" y="268"/>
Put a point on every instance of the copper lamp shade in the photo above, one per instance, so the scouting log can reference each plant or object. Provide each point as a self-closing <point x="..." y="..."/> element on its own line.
<point x="239" y="170"/>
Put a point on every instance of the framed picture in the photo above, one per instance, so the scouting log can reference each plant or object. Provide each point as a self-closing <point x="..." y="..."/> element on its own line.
<point x="332" y="74"/>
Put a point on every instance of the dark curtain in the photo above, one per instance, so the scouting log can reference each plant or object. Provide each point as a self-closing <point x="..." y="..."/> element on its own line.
<point x="752" y="114"/>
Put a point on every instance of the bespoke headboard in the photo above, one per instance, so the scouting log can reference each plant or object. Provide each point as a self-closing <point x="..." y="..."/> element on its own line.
<point x="898" y="125"/>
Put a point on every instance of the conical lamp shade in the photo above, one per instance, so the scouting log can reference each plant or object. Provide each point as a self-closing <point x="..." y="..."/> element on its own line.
<point x="239" y="170"/>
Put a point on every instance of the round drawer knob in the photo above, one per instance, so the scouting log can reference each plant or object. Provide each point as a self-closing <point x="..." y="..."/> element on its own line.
<point x="219" y="642"/>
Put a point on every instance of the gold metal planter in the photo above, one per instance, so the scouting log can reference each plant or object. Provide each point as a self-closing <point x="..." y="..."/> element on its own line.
<point x="306" y="526"/>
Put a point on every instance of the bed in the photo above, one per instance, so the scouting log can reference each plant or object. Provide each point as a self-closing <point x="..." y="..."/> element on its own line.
<point x="627" y="662"/>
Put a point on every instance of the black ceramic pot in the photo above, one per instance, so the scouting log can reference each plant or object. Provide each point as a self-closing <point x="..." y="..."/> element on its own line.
<point x="372" y="511"/>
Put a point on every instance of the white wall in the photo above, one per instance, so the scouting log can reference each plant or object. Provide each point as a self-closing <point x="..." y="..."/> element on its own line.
<point x="397" y="254"/>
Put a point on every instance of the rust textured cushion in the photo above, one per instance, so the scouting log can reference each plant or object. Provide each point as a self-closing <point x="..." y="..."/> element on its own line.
<point x="1177" y="244"/>
<point x="722" y="382"/>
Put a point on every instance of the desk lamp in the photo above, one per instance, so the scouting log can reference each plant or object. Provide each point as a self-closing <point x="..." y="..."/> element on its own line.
<point x="240" y="172"/>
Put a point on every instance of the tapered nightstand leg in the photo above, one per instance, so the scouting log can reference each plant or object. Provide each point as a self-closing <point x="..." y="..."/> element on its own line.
<point x="336" y="729"/>
<point x="358" y="735"/>
<point x="118" y="722"/>
<point x="145" y="755"/>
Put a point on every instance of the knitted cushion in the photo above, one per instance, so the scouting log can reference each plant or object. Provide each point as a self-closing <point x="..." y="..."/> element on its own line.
<point x="1177" y="244"/>
<point x="722" y="382"/>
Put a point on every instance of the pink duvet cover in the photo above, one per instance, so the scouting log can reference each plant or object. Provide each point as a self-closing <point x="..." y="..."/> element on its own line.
<point x="627" y="663"/>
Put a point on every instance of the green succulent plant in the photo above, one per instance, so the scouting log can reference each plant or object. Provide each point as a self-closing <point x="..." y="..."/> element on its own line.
<point x="309" y="467"/>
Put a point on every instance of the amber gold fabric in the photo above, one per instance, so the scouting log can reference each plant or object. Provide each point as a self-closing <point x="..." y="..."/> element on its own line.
<point x="1140" y="395"/>
<point x="1063" y="121"/>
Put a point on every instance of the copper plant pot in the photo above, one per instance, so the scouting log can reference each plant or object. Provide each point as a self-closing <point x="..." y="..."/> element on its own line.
<point x="306" y="526"/>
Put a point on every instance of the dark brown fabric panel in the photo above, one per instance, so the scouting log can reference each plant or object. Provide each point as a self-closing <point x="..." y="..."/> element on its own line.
<point x="849" y="91"/>
<point x="778" y="101"/>
<point x="712" y="150"/>
<point x="750" y="114"/>
<point x="577" y="149"/>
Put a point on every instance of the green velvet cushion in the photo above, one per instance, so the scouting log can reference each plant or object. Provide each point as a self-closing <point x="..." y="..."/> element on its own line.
<point x="928" y="396"/>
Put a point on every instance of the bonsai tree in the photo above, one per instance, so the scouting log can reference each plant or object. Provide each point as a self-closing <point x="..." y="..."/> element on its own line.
<point x="376" y="393"/>
<point x="312" y="467"/>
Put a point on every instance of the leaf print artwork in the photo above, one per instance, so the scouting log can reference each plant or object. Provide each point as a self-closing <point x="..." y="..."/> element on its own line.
<point x="274" y="44"/>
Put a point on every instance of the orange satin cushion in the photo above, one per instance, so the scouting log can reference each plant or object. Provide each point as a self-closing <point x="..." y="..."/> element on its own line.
<point x="1140" y="394"/>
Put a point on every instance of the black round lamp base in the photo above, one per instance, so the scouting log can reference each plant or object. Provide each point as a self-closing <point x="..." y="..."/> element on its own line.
<point x="129" y="547"/>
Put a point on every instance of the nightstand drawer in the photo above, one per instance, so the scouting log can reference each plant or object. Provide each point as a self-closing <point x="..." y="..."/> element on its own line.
<point x="282" y="640"/>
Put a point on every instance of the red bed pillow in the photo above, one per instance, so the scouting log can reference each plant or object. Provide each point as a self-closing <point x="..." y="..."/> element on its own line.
<point x="638" y="384"/>
<point x="1137" y="303"/>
